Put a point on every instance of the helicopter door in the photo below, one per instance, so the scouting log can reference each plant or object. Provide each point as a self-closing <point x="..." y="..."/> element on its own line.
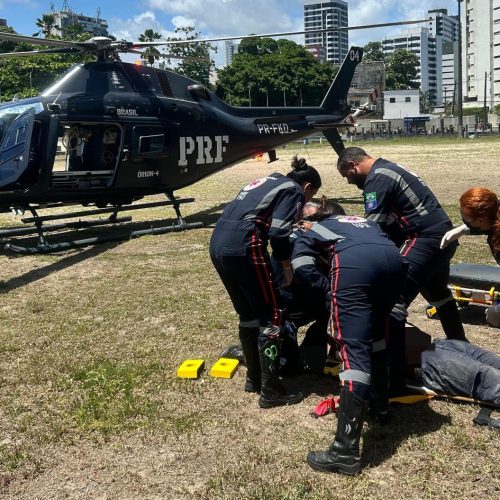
<point x="14" y="149"/>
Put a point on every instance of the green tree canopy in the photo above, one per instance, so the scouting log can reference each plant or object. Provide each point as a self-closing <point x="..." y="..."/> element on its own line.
<point x="151" y="54"/>
<point x="401" y="70"/>
<point x="45" y="23"/>
<point x="275" y="72"/>
<point x="28" y="76"/>
<point x="372" y="51"/>
<point x="195" y="60"/>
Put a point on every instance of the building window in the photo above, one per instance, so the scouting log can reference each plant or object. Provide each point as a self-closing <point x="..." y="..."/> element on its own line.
<point x="407" y="99"/>
<point x="392" y="100"/>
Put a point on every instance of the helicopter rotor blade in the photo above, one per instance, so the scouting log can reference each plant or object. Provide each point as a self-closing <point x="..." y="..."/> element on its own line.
<point x="62" y="50"/>
<point x="166" y="56"/>
<point x="47" y="42"/>
<point x="288" y="33"/>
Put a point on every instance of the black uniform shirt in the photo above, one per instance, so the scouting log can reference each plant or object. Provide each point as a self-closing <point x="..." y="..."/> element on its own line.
<point x="402" y="204"/>
<point x="264" y="211"/>
<point x="332" y="236"/>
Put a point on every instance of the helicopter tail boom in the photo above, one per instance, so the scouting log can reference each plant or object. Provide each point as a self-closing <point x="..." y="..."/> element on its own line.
<point x="336" y="97"/>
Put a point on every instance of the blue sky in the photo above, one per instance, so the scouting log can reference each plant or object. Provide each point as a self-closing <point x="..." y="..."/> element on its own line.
<point x="127" y="18"/>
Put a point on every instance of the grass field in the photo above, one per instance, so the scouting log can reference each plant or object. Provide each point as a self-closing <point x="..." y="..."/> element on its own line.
<point x="90" y="406"/>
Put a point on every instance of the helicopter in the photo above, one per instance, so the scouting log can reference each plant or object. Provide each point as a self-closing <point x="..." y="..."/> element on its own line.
<point x="128" y="131"/>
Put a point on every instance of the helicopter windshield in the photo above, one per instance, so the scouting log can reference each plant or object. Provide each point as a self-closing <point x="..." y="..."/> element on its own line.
<point x="59" y="84"/>
<point x="10" y="111"/>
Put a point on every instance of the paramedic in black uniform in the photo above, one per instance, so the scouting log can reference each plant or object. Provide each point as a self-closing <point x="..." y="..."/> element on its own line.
<point x="407" y="210"/>
<point x="263" y="212"/>
<point x="366" y="274"/>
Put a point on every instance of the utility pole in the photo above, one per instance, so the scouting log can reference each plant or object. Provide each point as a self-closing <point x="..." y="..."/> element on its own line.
<point x="484" y="104"/>
<point x="459" y="83"/>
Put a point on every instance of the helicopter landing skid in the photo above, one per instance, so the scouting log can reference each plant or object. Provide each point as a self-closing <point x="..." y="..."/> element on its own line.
<point x="43" y="246"/>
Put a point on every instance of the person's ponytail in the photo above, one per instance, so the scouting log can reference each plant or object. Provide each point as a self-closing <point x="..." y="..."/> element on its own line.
<point x="302" y="173"/>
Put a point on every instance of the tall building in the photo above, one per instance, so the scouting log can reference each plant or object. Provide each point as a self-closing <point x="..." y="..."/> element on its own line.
<point x="480" y="20"/>
<point x="428" y="49"/>
<point x="231" y="48"/>
<point x="449" y="65"/>
<point x="67" y="17"/>
<point x="443" y="25"/>
<point x="327" y="14"/>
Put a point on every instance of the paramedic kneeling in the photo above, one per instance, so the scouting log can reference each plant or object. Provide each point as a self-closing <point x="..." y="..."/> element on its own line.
<point x="365" y="279"/>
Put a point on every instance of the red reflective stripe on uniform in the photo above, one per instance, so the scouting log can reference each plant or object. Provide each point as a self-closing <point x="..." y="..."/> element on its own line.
<point x="338" y="337"/>
<point x="258" y="271"/>
<point x="269" y="293"/>
<point x="407" y="247"/>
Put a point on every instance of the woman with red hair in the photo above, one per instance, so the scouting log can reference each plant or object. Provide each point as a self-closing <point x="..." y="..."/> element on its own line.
<point x="480" y="211"/>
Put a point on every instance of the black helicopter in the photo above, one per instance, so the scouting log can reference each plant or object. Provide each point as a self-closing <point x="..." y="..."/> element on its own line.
<point x="128" y="131"/>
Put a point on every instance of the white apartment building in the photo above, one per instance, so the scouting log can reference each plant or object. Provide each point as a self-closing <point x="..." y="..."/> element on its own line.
<point x="480" y="21"/>
<point x="449" y="65"/>
<point x="231" y="49"/>
<point x="443" y="25"/>
<point x="327" y="14"/>
<point x="90" y="24"/>
<point x="428" y="49"/>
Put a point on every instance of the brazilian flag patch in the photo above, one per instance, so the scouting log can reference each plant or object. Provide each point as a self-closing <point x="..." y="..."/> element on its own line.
<point x="370" y="201"/>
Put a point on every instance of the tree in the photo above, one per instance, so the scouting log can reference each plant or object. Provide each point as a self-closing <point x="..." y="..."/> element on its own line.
<point x="46" y="23"/>
<point x="425" y="102"/>
<point x="73" y="31"/>
<point x="372" y="51"/>
<point x="195" y="61"/>
<point x="401" y="70"/>
<point x="266" y="71"/>
<point x="151" y="54"/>
<point x="27" y="76"/>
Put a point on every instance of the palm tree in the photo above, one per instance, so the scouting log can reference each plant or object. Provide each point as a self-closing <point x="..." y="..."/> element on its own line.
<point x="46" y="23"/>
<point x="151" y="54"/>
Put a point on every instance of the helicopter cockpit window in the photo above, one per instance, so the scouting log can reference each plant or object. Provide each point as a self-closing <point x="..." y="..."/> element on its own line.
<point x="149" y="142"/>
<point x="165" y="85"/>
<point x="15" y="140"/>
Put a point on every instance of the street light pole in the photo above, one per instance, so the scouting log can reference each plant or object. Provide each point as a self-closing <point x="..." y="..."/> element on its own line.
<point x="459" y="83"/>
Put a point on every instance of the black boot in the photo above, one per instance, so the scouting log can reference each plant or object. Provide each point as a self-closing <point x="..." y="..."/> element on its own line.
<point x="290" y="355"/>
<point x="248" y="337"/>
<point x="450" y="321"/>
<point x="343" y="454"/>
<point x="272" y="392"/>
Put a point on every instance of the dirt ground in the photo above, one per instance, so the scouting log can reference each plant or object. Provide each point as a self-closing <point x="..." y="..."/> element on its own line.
<point x="90" y="405"/>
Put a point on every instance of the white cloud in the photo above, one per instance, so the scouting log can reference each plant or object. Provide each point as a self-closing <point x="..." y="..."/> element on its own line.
<point x="182" y="22"/>
<point x="130" y="29"/>
<point x="230" y="17"/>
